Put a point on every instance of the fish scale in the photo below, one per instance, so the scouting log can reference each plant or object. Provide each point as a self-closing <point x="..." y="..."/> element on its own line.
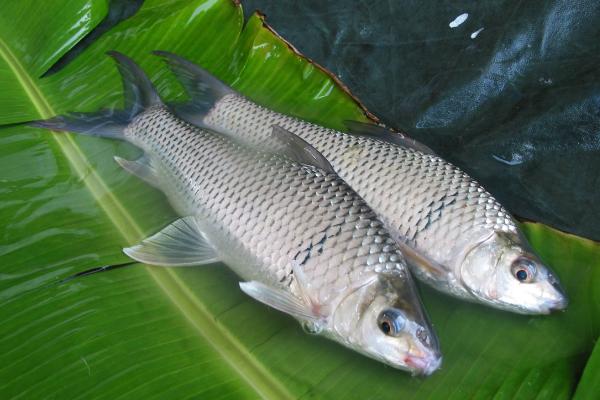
<point x="322" y="223"/>
<point x="423" y="200"/>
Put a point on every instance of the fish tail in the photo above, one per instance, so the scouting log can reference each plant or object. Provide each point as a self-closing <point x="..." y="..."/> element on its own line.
<point x="204" y="89"/>
<point x="139" y="95"/>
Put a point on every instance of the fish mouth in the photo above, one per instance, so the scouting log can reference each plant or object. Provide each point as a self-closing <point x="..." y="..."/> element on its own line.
<point x="560" y="301"/>
<point x="423" y="365"/>
<point x="559" y="305"/>
<point x="557" y="302"/>
<point x="551" y="302"/>
<point x="552" y="298"/>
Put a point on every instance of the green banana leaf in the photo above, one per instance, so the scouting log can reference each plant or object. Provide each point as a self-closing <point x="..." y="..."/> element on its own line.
<point x="589" y="386"/>
<point x="148" y="332"/>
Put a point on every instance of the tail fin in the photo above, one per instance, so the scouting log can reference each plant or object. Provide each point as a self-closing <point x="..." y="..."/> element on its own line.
<point x="139" y="94"/>
<point x="203" y="88"/>
<point x="137" y="88"/>
<point x="105" y="123"/>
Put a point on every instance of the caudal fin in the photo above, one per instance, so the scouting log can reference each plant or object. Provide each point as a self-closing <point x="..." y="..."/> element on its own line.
<point x="137" y="88"/>
<point x="203" y="88"/>
<point x="139" y="95"/>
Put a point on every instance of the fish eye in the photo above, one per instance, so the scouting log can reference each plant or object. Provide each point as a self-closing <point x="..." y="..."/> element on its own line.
<point x="523" y="270"/>
<point x="391" y="322"/>
<point x="386" y="327"/>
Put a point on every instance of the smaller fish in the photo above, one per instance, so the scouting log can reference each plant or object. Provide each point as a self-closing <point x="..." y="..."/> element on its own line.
<point x="300" y="238"/>
<point x="455" y="236"/>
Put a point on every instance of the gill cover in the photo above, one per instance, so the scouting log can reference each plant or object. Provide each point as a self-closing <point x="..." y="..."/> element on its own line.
<point x="384" y="319"/>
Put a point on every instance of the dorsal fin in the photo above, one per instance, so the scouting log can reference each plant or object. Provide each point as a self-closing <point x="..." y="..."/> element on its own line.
<point x="378" y="132"/>
<point x="297" y="149"/>
<point x="283" y="142"/>
<point x="423" y="263"/>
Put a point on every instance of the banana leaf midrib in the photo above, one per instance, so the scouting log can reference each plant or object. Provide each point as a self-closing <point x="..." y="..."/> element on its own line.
<point x="240" y="360"/>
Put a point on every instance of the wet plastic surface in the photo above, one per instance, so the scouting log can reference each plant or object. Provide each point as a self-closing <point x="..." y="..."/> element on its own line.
<point x="511" y="94"/>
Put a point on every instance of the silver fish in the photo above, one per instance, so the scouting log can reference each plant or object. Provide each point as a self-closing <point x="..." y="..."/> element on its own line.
<point x="301" y="239"/>
<point x="455" y="235"/>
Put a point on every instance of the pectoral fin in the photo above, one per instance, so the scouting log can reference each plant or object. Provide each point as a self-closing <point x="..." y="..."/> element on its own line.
<point x="422" y="262"/>
<point x="180" y="244"/>
<point x="281" y="300"/>
<point x="142" y="168"/>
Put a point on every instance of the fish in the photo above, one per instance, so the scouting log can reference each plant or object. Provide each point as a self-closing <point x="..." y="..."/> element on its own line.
<point x="302" y="241"/>
<point x="456" y="236"/>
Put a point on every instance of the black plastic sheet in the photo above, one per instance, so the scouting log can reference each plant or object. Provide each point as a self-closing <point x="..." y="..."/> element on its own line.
<point x="511" y="94"/>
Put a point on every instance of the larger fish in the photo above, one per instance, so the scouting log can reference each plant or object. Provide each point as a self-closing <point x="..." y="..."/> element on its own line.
<point x="301" y="239"/>
<point x="456" y="236"/>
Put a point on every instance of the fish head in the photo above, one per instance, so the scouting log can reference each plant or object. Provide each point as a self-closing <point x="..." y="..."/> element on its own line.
<point x="502" y="271"/>
<point x="385" y="320"/>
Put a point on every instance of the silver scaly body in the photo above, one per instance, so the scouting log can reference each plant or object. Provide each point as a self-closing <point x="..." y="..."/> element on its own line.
<point x="456" y="236"/>
<point x="263" y="212"/>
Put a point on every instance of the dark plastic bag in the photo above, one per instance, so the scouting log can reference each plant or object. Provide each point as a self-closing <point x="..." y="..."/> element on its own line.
<point x="511" y="94"/>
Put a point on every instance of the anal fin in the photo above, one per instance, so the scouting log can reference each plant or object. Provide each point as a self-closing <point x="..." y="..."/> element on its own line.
<point x="180" y="244"/>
